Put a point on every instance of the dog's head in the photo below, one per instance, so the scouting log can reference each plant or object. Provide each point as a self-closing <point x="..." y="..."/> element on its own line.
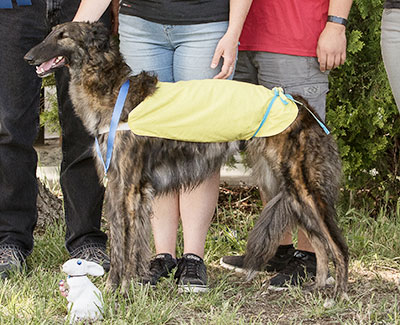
<point x="68" y="44"/>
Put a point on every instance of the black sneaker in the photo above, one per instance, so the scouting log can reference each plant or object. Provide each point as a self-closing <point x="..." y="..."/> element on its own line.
<point x="191" y="275"/>
<point x="301" y="267"/>
<point x="93" y="253"/>
<point x="11" y="259"/>
<point x="281" y="258"/>
<point x="160" y="267"/>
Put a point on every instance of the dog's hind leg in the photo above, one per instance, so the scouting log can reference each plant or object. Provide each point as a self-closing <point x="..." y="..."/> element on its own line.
<point x="340" y="256"/>
<point x="322" y="261"/>
<point x="327" y="240"/>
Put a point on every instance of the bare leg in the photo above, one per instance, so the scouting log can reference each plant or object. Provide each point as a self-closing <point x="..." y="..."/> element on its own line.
<point x="165" y="223"/>
<point x="303" y="242"/>
<point x="197" y="209"/>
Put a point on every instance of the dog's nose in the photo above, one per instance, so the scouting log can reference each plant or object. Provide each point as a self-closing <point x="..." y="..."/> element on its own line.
<point x="29" y="57"/>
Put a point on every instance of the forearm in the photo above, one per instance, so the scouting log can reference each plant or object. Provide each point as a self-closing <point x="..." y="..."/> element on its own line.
<point x="91" y="10"/>
<point x="237" y="16"/>
<point x="331" y="48"/>
<point x="339" y="8"/>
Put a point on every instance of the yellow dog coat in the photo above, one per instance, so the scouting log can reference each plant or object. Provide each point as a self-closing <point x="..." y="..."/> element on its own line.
<point x="212" y="111"/>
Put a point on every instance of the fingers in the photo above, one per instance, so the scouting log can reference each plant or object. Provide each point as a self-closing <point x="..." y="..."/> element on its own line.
<point x="331" y="61"/>
<point x="227" y="67"/>
<point x="226" y="71"/>
<point x="226" y="50"/>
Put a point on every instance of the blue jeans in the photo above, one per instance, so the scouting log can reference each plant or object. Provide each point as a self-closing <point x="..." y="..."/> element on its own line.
<point x="173" y="52"/>
<point x="20" y="29"/>
<point x="297" y="75"/>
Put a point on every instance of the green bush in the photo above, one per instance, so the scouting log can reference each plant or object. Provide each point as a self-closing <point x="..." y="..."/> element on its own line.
<point x="362" y="113"/>
<point x="49" y="118"/>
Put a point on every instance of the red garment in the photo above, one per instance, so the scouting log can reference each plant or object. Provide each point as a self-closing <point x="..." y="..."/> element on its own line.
<point x="284" y="26"/>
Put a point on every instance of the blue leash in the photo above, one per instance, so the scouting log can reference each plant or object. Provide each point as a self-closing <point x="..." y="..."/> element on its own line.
<point x="322" y="125"/>
<point x="119" y="104"/>
<point x="271" y="103"/>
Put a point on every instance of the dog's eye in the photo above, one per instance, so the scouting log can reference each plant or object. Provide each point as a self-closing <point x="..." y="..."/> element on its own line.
<point x="62" y="35"/>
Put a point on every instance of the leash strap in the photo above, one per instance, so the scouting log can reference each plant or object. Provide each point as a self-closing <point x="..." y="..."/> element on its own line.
<point x="119" y="104"/>
<point x="277" y="93"/>
<point x="323" y="126"/>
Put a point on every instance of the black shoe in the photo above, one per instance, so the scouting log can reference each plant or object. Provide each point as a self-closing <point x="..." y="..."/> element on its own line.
<point x="160" y="267"/>
<point x="191" y="275"/>
<point x="11" y="259"/>
<point x="301" y="267"/>
<point x="281" y="258"/>
<point x="93" y="253"/>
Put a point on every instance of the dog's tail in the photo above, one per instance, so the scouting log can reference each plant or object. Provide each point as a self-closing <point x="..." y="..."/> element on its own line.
<point x="264" y="239"/>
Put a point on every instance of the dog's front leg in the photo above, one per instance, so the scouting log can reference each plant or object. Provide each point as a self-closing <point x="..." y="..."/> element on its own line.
<point x="117" y="235"/>
<point x="137" y="213"/>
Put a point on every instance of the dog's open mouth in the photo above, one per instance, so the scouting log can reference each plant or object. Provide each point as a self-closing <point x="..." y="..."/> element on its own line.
<point x="49" y="66"/>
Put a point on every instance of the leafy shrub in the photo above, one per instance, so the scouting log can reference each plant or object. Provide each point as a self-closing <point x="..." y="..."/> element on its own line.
<point x="49" y="117"/>
<point x="362" y="113"/>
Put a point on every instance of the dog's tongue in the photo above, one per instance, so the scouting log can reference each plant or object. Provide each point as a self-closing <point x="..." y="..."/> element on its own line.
<point x="46" y="66"/>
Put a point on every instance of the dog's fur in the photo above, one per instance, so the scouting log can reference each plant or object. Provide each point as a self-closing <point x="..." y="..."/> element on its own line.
<point x="299" y="169"/>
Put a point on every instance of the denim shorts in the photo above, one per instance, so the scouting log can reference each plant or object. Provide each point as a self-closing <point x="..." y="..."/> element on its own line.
<point x="390" y="45"/>
<point x="297" y="75"/>
<point x="173" y="52"/>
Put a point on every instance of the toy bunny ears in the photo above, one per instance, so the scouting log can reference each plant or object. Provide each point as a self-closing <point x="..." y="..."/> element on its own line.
<point x="80" y="267"/>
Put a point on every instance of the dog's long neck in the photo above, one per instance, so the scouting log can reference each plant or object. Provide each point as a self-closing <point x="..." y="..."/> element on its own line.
<point x="95" y="85"/>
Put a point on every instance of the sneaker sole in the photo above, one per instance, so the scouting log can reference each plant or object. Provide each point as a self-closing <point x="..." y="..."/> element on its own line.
<point x="329" y="281"/>
<point x="231" y="267"/>
<point x="277" y="289"/>
<point x="192" y="288"/>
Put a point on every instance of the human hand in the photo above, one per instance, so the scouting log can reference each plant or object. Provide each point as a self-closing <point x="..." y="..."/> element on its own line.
<point x="331" y="48"/>
<point x="227" y="49"/>
<point x="114" y="17"/>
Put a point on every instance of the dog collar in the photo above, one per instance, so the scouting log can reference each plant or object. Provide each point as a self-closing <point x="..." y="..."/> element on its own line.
<point x="76" y="276"/>
<point x="119" y="104"/>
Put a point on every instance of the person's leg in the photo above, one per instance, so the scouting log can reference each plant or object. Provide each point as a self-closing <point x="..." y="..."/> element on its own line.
<point x="195" y="46"/>
<point x="145" y="47"/>
<point x="297" y="76"/>
<point x="390" y="45"/>
<point x="194" y="49"/>
<point x="83" y="194"/>
<point x="247" y="71"/>
<point x="20" y="29"/>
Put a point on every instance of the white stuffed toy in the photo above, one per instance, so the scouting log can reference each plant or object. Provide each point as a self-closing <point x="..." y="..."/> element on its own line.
<point x="85" y="299"/>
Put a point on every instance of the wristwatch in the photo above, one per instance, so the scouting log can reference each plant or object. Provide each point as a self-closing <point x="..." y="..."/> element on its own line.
<point x="337" y="20"/>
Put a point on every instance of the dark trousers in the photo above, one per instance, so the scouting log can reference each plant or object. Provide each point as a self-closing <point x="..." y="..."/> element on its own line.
<point x="20" y="29"/>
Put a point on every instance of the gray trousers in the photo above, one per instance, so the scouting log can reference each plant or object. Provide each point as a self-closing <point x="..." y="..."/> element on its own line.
<point x="390" y="45"/>
<point x="297" y="75"/>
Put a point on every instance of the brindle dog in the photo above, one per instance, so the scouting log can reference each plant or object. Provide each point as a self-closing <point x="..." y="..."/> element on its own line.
<point x="299" y="169"/>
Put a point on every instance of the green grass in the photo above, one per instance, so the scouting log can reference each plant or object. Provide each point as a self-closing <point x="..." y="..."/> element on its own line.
<point x="33" y="297"/>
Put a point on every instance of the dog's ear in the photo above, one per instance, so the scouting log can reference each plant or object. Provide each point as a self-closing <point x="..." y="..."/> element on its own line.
<point x="98" y="36"/>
